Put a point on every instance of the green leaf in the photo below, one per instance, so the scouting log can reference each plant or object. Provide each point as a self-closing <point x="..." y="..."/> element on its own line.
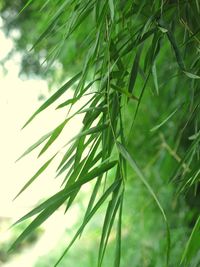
<point x="92" y="130"/>
<point x="163" y="30"/>
<point x="192" y="246"/>
<point x="49" y="28"/>
<point x="111" y="211"/>
<point x="118" y="238"/>
<point x="43" y="216"/>
<point x="134" y="70"/>
<point x="165" y="120"/>
<point x="25" y="6"/>
<point x="66" y="165"/>
<point x="67" y="154"/>
<point x="188" y="153"/>
<point x="88" y="163"/>
<point x="123" y="91"/>
<point x="112" y="9"/>
<point x="139" y="173"/>
<point x="67" y="102"/>
<point x="90" y="215"/>
<point x="155" y="78"/>
<point x="71" y="150"/>
<point x="39" y="142"/>
<point x="40" y="171"/>
<point x="54" y="136"/>
<point x="175" y="47"/>
<point x="141" y="94"/>
<point x="65" y="193"/>
<point x="54" y="97"/>
<point x="191" y="75"/>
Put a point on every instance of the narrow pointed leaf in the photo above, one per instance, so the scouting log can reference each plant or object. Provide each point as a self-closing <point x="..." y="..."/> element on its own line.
<point x="54" y="97"/>
<point x="165" y="120"/>
<point x="65" y="193"/>
<point x="134" y="166"/>
<point x="54" y="136"/>
<point x="155" y="78"/>
<point x="134" y="70"/>
<point x="43" y="216"/>
<point x="118" y="238"/>
<point x="35" y="176"/>
<point x="88" y="218"/>
<point x="176" y="50"/>
<point x="112" y="9"/>
<point x="39" y="142"/>
<point x="192" y="246"/>
<point x="108" y="222"/>
<point x="67" y="102"/>
<point x="191" y="75"/>
<point x="92" y="130"/>
<point x="123" y="91"/>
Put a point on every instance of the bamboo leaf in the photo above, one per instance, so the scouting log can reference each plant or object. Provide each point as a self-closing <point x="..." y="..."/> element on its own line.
<point x="192" y="246"/>
<point x="88" y="218"/>
<point x="111" y="211"/>
<point x="155" y="78"/>
<point x="134" y="70"/>
<point x="35" y="176"/>
<point x="67" y="102"/>
<point x="43" y="216"/>
<point x="139" y="173"/>
<point x="191" y="75"/>
<point x="66" y="192"/>
<point x="25" y="6"/>
<point x="112" y="9"/>
<point x="123" y="91"/>
<point x="35" y="145"/>
<point x="54" y="136"/>
<point x="165" y="120"/>
<point x="118" y="238"/>
<point x="54" y="97"/>
<point x="174" y="46"/>
<point x="92" y="130"/>
<point x="53" y="20"/>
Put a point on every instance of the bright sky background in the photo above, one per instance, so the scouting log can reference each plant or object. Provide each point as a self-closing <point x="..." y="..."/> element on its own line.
<point x="18" y="100"/>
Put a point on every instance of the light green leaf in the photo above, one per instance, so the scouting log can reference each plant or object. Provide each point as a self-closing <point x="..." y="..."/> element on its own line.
<point x="134" y="166"/>
<point x="119" y="235"/>
<point x="88" y="218"/>
<point x="191" y="75"/>
<point x="155" y="78"/>
<point x="164" y="121"/>
<point x="66" y="192"/>
<point x="40" y="171"/>
<point x="111" y="211"/>
<point x="192" y="246"/>
<point x="54" y="136"/>
<point x="67" y="102"/>
<point x="43" y="216"/>
<point x="112" y="9"/>
<point x="92" y="130"/>
<point x="54" y="97"/>
<point x="39" y="142"/>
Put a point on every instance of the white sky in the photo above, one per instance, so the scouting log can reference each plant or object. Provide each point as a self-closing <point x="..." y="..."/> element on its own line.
<point x="18" y="100"/>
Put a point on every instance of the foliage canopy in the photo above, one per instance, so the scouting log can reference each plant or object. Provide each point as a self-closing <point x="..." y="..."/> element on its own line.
<point x="140" y="62"/>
